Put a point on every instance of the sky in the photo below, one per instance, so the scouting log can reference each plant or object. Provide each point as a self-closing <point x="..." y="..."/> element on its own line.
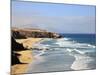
<point x="60" y="18"/>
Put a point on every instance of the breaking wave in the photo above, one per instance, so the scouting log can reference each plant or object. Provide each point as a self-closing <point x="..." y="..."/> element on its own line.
<point x="66" y="50"/>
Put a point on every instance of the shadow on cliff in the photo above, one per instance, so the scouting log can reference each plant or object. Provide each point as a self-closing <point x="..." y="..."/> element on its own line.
<point x="16" y="47"/>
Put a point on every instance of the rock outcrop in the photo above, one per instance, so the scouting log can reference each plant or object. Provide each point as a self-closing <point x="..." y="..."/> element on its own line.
<point x="14" y="58"/>
<point x="35" y="33"/>
<point x="15" y="47"/>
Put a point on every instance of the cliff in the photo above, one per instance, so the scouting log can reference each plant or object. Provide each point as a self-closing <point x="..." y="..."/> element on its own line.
<point x="34" y="33"/>
<point x="15" y="47"/>
<point x="19" y="34"/>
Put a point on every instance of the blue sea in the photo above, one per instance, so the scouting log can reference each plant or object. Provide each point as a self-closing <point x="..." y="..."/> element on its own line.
<point x="70" y="53"/>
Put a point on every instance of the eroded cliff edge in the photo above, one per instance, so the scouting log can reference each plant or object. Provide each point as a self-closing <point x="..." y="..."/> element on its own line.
<point x="34" y="33"/>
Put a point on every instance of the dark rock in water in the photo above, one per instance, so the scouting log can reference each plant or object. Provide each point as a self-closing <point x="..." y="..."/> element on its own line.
<point x="16" y="46"/>
<point x="35" y="48"/>
<point x="40" y="48"/>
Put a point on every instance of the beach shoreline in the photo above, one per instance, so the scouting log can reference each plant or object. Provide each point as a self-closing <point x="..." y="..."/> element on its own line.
<point x="26" y="55"/>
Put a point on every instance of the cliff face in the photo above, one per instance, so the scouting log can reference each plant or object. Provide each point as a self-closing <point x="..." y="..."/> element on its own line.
<point x="16" y="46"/>
<point x="35" y="33"/>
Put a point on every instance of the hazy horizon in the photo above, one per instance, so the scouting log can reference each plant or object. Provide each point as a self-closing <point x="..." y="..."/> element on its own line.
<point x="60" y="18"/>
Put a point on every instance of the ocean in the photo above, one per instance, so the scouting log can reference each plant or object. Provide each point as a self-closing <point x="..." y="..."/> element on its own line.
<point x="70" y="53"/>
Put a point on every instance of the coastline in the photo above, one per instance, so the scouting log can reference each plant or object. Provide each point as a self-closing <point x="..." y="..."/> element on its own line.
<point x="28" y="43"/>
<point x="26" y="55"/>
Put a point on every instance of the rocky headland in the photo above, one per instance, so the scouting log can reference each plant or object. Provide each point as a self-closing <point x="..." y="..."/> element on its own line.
<point x="34" y="33"/>
<point x="22" y="41"/>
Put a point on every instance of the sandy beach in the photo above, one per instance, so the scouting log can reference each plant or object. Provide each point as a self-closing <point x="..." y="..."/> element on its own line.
<point x="26" y="55"/>
<point x="28" y="43"/>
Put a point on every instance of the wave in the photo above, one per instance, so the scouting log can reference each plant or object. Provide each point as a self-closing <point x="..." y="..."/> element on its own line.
<point x="83" y="62"/>
<point x="64" y="42"/>
<point x="81" y="51"/>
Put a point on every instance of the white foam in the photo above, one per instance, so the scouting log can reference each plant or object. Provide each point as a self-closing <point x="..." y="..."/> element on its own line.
<point x="64" y="43"/>
<point x="63" y="39"/>
<point x="70" y="47"/>
<point x="76" y="50"/>
<point x="82" y="62"/>
<point x="93" y="46"/>
<point x="81" y="52"/>
<point x="38" y="57"/>
<point x="67" y="43"/>
<point x="69" y="50"/>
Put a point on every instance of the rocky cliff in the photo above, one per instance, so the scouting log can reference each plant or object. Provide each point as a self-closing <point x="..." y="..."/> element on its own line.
<point x="23" y="34"/>
<point x="35" y="33"/>
<point x="15" y="47"/>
